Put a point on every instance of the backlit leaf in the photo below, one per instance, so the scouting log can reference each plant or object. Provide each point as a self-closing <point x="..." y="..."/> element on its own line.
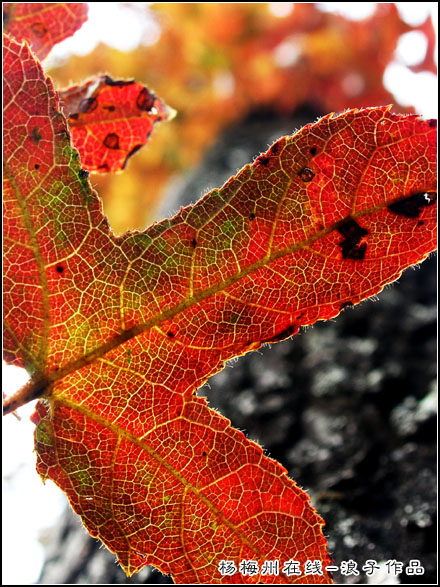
<point x="110" y="120"/>
<point x="43" y="24"/>
<point x="119" y="332"/>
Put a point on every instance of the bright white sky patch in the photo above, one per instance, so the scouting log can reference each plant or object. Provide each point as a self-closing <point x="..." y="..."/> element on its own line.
<point x="351" y="10"/>
<point x="112" y="23"/>
<point x="413" y="89"/>
<point x="28" y="505"/>
<point x="415" y="13"/>
<point x="288" y="51"/>
<point x="281" y="9"/>
<point x="411" y="48"/>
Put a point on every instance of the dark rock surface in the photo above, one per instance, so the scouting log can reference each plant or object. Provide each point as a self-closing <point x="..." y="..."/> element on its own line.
<point x="348" y="407"/>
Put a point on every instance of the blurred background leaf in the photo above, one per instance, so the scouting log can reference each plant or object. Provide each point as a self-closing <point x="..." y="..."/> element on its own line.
<point x="216" y="63"/>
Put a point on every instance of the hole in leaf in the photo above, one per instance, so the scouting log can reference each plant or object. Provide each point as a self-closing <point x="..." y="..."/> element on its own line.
<point x="411" y="207"/>
<point x="351" y="246"/>
<point x="88" y="105"/>
<point x="111" y="141"/>
<point x="263" y="160"/>
<point x="306" y="174"/>
<point x="145" y="100"/>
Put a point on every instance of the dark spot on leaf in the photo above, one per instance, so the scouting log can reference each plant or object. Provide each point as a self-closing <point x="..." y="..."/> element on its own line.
<point x="59" y="269"/>
<point x="313" y="151"/>
<point x="306" y="174"/>
<point x="357" y="253"/>
<point x="36" y="166"/>
<point x="83" y="173"/>
<point x="132" y="152"/>
<point x="346" y="305"/>
<point x="251" y="216"/>
<point x="412" y="206"/>
<point x="274" y="149"/>
<point x="420" y="223"/>
<point x="120" y="83"/>
<point x="289" y="331"/>
<point x="170" y="334"/>
<point x="194" y="243"/>
<point x="74" y="116"/>
<point x="433" y="123"/>
<point x="145" y="100"/>
<point x="38" y="29"/>
<point x="204" y="453"/>
<point x="111" y="141"/>
<point x="104" y="167"/>
<point x="88" y="105"/>
<point x="351" y="246"/>
<point x="263" y="160"/>
<point x="36" y="135"/>
<point x="109" y="108"/>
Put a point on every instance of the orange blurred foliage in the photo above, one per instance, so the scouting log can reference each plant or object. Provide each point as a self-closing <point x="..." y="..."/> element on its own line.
<point x="215" y="63"/>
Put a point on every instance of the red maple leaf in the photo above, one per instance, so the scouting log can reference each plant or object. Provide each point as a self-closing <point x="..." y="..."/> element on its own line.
<point x="110" y="120"/>
<point x="118" y="332"/>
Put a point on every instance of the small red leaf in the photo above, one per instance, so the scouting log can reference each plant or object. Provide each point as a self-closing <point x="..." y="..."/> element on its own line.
<point x="43" y="25"/>
<point x="110" y="120"/>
